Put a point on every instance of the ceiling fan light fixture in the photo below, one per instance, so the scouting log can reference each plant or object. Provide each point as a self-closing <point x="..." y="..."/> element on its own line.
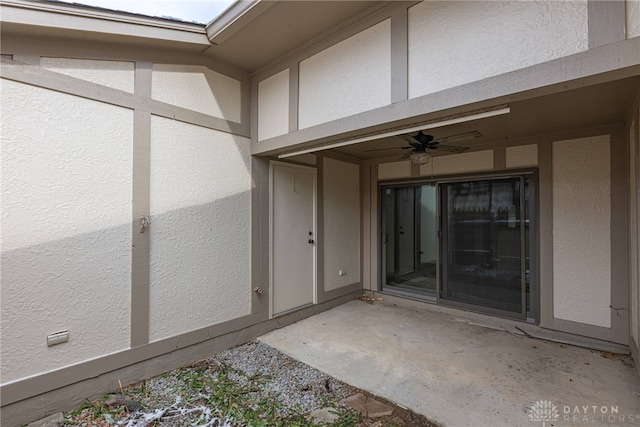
<point x="420" y="158"/>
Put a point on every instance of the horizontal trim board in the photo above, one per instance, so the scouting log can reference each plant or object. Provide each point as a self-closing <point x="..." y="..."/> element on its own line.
<point x="324" y="296"/>
<point x="91" y="385"/>
<point x="592" y="331"/>
<point x="438" y="123"/>
<point x="599" y="65"/>
<point x="99" y="50"/>
<point x="23" y="389"/>
<point x="12" y="70"/>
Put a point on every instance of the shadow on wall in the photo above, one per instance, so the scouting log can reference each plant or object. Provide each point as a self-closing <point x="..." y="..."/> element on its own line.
<point x="200" y="275"/>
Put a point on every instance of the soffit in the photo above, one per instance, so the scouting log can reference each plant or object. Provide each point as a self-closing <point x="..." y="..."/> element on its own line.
<point x="282" y="28"/>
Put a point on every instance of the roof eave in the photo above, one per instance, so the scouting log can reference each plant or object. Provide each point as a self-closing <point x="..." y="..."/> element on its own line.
<point x="235" y="17"/>
<point x="22" y="13"/>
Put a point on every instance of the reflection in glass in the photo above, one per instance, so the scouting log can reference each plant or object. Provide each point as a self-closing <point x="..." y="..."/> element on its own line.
<point x="410" y="238"/>
<point x="483" y="244"/>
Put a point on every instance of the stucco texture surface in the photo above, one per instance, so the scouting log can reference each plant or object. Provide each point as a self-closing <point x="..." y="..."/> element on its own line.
<point x="114" y="74"/>
<point x="633" y="18"/>
<point x="200" y="249"/>
<point x="197" y="88"/>
<point x="582" y="231"/>
<point x="458" y="163"/>
<point x="348" y="78"/>
<point x="66" y="228"/>
<point x="504" y="36"/>
<point x="341" y="194"/>
<point x="273" y="105"/>
<point x="522" y="156"/>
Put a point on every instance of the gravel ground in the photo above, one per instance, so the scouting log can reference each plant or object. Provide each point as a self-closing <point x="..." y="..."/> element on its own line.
<point x="250" y="385"/>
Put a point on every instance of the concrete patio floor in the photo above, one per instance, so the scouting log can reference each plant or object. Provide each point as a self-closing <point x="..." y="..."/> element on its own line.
<point x="461" y="369"/>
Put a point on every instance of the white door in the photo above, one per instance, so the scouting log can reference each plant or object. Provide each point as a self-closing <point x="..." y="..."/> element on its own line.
<point x="293" y="254"/>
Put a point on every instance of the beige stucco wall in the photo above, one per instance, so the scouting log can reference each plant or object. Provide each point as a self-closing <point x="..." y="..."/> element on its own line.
<point x="348" y="78"/>
<point x="582" y="231"/>
<point x="66" y="228"/>
<point x="632" y="8"/>
<point x="273" y="105"/>
<point x="200" y="235"/>
<point x="341" y="205"/>
<point x="506" y="36"/>
<point x="458" y="163"/>
<point x="114" y="74"/>
<point x="522" y="156"/>
<point x="197" y="88"/>
<point x="394" y="170"/>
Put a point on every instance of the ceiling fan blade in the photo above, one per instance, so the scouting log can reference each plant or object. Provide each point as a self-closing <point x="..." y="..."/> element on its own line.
<point x="451" y="148"/>
<point x="386" y="149"/>
<point x="461" y="136"/>
<point x="411" y="140"/>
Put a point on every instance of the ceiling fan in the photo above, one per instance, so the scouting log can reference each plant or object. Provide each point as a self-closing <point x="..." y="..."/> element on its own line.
<point x="421" y="144"/>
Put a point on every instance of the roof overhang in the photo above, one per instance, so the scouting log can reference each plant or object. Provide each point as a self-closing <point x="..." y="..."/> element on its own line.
<point x="252" y="34"/>
<point x="72" y="21"/>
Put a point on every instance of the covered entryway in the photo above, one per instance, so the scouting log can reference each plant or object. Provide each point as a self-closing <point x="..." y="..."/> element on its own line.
<point x="293" y="225"/>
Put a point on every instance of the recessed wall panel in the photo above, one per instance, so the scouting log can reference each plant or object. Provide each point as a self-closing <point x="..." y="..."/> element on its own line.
<point x="65" y="192"/>
<point x="273" y="105"/>
<point x="348" y="78"/>
<point x="200" y="252"/>
<point x="114" y="74"/>
<point x="456" y="42"/>
<point x="341" y="194"/>
<point x="197" y="88"/>
<point x="582" y="231"/>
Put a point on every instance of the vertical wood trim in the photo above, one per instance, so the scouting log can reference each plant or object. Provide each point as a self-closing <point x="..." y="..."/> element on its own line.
<point x="399" y="55"/>
<point x="143" y="79"/>
<point x="606" y="20"/>
<point x="254" y="110"/>
<point x="365" y="220"/>
<point x="260" y="217"/>
<point x="140" y="207"/>
<point x="619" y="181"/>
<point x="294" y="96"/>
<point x="499" y="158"/>
<point x="319" y="236"/>
<point x="245" y="102"/>
<point x="545" y="218"/>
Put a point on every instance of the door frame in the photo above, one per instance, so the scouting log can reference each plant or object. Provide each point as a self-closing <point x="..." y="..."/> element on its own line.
<point x="273" y="163"/>
<point x="533" y="314"/>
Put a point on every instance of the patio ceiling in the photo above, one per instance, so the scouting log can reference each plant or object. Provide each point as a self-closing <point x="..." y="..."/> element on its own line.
<point x="588" y="107"/>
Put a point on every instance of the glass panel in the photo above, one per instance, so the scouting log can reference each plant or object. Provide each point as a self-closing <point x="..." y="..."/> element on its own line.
<point x="483" y="264"/>
<point x="410" y="227"/>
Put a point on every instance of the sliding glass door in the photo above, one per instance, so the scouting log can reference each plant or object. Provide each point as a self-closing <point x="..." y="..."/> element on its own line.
<point x="463" y="243"/>
<point x="410" y="238"/>
<point x="483" y="244"/>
